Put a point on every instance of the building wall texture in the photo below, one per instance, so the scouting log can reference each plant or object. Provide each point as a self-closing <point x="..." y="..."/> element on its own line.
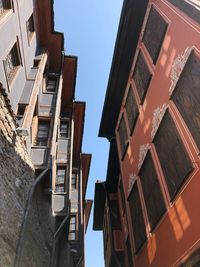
<point x="33" y="244"/>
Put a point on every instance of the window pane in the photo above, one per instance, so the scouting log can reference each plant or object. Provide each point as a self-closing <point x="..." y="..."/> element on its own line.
<point x="141" y="76"/>
<point x="43" y="133"/>
<point x="154" y="34"/>
<point x="123" y="136"/>
<point x="152" y="193"/>
<point x="60" y="177"/>
<point x="11" y="62"/>
<point x="51" y="84"/>
<point x="174" y="160"/>
<point x="137" y="219"/>
<point x="64" y="129"/>
<point x="187" y="96"/>
<point x="73" y="227"/>
<point x="74" y="181"/>
<point x="131" y="109"/>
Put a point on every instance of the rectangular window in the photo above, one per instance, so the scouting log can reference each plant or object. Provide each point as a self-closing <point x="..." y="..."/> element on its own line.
<point x="72" y="228"/>
<point x="189" y="7"/>
<point x="64" y="129"/>
<point x="131" y="109"/>
<point x="42" y="133"/>
<point x="193" y="261"/>
<point x="173" y="157"/>
<point x="122" y="198"/>
<point x="51" y="84"/>
<point x="123" y="136"/>
<point x="74" y="181"/>
<point x="11" y="63"/>
<point x="5" y="5"/>
<point x="138" y="225"/>
<point x="186" y="96"/>
<point x="114" y="215"/>
<point x="60" y="175"/>
<point x="154" y="33"/>
<point x="141" y="76"/>
<point x="153" y="197"/>
<point x="30" y="27"/>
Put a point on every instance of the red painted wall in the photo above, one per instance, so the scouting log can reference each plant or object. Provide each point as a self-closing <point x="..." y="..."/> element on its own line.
<point x="178" y="232"/>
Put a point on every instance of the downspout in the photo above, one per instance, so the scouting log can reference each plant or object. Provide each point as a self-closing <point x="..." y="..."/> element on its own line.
<point x="27" y="209"/>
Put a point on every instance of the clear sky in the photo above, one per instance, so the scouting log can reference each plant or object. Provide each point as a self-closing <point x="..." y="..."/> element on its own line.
<point x="90" y="29"/>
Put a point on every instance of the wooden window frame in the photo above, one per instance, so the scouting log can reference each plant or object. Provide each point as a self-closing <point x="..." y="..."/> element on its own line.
<point x="73" y="231"/>
<point x="138" y="243"/>
<point x="155" y="57"/>
<point x="123" y="137"/>
<point x="190" y="120"/>
<point x="47" y="121"/>
<point x="131" y="101"/>
<point x="188" y="8"/>
<point x="12" y="62"/>
<point x="76" y="184"/>
<point x="180" y="144"/>
<point x="141" y="94"/>
<point x="149" y="194"/>
<point x="47" y="77"/>
<point x="60" y="185"/>
<point x="61" y="135"/>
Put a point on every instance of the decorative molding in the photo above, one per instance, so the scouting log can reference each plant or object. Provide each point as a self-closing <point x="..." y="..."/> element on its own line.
<point x="157" y="118"/>
<point x="177" y="67"/>
<point x="142" y="154"/>
<point x="132" y="179"/>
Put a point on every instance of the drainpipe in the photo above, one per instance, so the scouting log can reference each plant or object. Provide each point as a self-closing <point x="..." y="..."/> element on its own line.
<point x="57" y="235"/>
<point x="27" y="209"/>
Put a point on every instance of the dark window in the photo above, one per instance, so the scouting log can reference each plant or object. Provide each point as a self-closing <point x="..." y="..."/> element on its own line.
<point x="36" y="63"/>
<point x="30" y="27"/>
<point x="21" y="111"/>
<point x="114" y="215"/>
<point x="152" y="192"/>
<point x="141" y="76"/>
<point x="72" y="227"/>
<point x="131" y="109"/>
<point x="154" y="34"/>
<point x="60" y="178"/>
<point x="137" y="218"/>
<point x="60" y="175"/>
<point x="4" y="5"/>
<point x="193" y="261"/>
<point x="187" y="96"/>
<point x="12" y="62"/>
<point x="174" y="160"/>
<point x="42" y="133"/>
<point x="190" y="7"/>
<point x="51" y="84"/>
<point x="64" y="129"/>
<point x="123" y="136"/>
<point x="74" y="181"/>
<point x="122" y="198"/>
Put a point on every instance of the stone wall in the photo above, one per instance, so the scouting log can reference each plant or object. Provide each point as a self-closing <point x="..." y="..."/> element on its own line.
<point x="16" y="179"/>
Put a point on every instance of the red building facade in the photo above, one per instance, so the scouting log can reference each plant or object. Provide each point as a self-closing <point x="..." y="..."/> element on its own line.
<point x="150" y="205"/>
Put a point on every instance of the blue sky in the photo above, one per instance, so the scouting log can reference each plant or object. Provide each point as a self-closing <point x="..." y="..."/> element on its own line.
<point x="90" y="29"/>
